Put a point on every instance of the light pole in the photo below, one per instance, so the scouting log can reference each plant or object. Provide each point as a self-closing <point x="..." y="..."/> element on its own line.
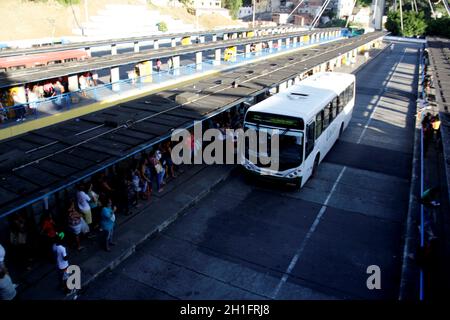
<point x="254" y="12"/>
<point x="401" y="15"/>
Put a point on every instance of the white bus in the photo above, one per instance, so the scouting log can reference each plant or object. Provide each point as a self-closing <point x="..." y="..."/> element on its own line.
<point x="309" y="117"/>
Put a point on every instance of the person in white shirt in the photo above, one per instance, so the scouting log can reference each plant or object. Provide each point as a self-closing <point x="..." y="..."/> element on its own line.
<point x="62" y="260"/>
<point x="2" y="256"/>
<point x="83" y="204"/>
<point x="7" y="287"/>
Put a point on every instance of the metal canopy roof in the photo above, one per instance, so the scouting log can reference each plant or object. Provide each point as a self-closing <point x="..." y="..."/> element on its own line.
<point x="20" y="77"/>
<point x="42" y="162"/>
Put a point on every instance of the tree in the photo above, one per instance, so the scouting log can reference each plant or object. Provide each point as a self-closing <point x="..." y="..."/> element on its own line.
<point x="338" y="23"/>
<point x="233" y="6"/>
<point x="414" y="24"/>
<point x="363" y="3"/>
<point x="162" y="26"/>
<point x="439" y="27"/>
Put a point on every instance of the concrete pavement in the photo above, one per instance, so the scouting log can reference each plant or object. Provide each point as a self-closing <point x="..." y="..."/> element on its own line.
<point x="252" y="240"/>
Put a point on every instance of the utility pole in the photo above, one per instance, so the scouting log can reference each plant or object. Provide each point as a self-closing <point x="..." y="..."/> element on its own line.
<point x="447" y="7"/>
<point x="254" y="13"/>
<point x="401" y="15"/>
<point x="432" y="10"/>
<point x="301" y="1"/>
<point x="319" y="14"/>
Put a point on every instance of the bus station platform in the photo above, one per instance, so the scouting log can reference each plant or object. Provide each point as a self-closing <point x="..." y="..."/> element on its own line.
<point x="146" y="221"/>
<point x="224" y="34"/>
<point x="40" y="165"/>
<point x="59" y="108"/>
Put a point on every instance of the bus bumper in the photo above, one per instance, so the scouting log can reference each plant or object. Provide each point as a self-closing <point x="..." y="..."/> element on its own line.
<point x="297" y="181"/>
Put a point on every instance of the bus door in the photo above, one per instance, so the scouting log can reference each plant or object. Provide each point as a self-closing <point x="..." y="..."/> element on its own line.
<point x="310" y="138"/>
<point x="309" y="147"/>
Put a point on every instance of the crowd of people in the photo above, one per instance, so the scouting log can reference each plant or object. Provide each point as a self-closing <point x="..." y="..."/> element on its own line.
<point x="428" y="253"/>
<point x="18" y="103"/>
<point x="90" y="212"/>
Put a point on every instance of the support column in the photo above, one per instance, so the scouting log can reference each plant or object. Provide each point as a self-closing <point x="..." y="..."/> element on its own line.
<point x="136" y="46"/>
<point x="217" y="56"/>
<point x="113" y="49"/>
<point x="176" y="65"/>
<point x="348" y="57"/>
<point x="155" y="44"/>
<point x="198" y="60"/>
<point x="294" y="41"/>
<point x="270" y="44"/>
<point x="115" y="77"/>
<point x="173" y="42"/>
<point x="288" y="42"/>
<point x="247" y="50"/>
<point x="88" y="51"/>
<point x="280" y="43"/>
<point x="202" y="39"/>
<point x="235" y="35"/>
<point x="339" y="62"/>
<point x="225" y="36"/>
<point x="214" y="37"/>
<point x="73" y="83"/>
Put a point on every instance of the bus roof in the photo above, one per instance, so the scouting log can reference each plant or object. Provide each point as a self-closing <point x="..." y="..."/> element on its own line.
<point x="305" y="99"/>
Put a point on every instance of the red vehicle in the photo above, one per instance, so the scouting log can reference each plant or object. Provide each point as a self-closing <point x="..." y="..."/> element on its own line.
<point x="41" y="59"/>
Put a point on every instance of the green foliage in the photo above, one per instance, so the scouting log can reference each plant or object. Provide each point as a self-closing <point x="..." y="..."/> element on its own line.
<point x="233" y="6"/>
<point x="162" y="26"/>
<point x="186" y="3"/>
<point x="68" y="2"/>
<point x="339" y="23"/>
<point x="414" y="24"/>
<point x="363" y="3"/>
<point x="62" y="2"/>
<point x="439" y="27"/>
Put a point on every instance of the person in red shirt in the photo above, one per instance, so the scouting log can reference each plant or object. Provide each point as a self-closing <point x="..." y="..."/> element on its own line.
<point x="48" y="232"/>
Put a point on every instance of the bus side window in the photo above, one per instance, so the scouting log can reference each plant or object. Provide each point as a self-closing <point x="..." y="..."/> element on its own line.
<point x="341" y="101"/>
<point x="310" y="129"/>
<point x="336" y="105"/>
<point x="333" y="111"/>
<point x="350" y="92"/>
<point x="326" y="117"/>
<point x="318" y="124"/>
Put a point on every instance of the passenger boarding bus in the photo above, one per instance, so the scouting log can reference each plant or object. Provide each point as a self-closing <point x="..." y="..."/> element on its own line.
<point x="309" y="117"/>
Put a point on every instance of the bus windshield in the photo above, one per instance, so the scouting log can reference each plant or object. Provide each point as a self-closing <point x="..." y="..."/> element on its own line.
<point x="290" y="146"/>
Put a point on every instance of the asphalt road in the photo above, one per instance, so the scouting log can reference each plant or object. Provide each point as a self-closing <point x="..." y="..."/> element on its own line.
<point x="252" y="240"/>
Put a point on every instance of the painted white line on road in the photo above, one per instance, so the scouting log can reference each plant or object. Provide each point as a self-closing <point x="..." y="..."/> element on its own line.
<point x="376" y="105"/>
<point x="308" y="236"/>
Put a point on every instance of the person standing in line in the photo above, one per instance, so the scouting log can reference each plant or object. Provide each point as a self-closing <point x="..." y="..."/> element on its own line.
<point x="158" y="65"/>
<point x="2" y="256"/>
<point x="62" y="260"/>
<point x="83" y="204"/>
<point x="107" y="222"/>
<point x="7" y="287"/>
